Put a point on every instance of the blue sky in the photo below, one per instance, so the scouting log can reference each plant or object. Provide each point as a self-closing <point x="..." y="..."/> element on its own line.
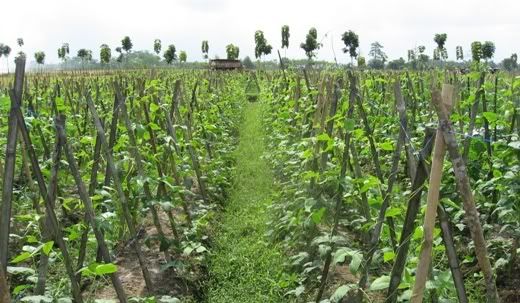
<point x="397" y="24"/>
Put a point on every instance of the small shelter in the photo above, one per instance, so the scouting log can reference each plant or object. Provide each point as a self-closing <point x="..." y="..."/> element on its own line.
<point x="225" y="64"/>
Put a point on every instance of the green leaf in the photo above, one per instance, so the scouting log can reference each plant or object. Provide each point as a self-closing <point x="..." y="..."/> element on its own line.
<point x="318" y="215"/>
<point x="153" y="107"/>
<point x="323" y="137"/>
<point x="37" y="299"/>
<point x="350" y="125"/>
<point x="14" y="270"/>
<point x="356" y="261"/>
<point x="490" y="116"/>
<point x="341" y="292"/>
<point x="380" y="283"/>
<point x="514" y="144"/>
<point x="21" y="257"/>
<point x="47" y="247"/>
<point x="388" y="146"/>
<point x="104" y="269"/>
<point x="168" y="299"/>
<point x="18" y="289"/>
<point x="393" y="212"/>
<point x="388" y="256"/>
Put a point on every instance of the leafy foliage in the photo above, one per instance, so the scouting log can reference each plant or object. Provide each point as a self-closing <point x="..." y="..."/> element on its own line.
<point x="232" y="52"/>
<point x="285" y="36"/>
<point x="311" y="43"/>
<point x="261" y="45"/>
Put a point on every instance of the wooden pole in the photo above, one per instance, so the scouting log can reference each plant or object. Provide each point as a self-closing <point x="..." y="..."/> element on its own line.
<point x="471" y="212"/>
<point x="432" y="201"/>
<point x="10" y="162"/>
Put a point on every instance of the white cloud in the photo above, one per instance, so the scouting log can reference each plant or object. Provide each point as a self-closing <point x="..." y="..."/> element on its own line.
<point x="399" y="24"/>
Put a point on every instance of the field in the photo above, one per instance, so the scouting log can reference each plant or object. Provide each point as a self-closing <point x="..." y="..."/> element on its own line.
<point x="286" y="185"/>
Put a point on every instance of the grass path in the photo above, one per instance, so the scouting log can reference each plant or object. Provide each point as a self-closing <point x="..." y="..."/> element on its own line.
<point x="244" y="266"/>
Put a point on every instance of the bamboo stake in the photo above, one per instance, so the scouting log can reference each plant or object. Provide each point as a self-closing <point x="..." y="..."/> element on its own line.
<point x="4" y="286"/>
<point x="471" y="215"/>
<point x="439" y="151"/>
<point x="411" y="214"/>
<point x="10" y="161"/>
<point x="122" y="198"/>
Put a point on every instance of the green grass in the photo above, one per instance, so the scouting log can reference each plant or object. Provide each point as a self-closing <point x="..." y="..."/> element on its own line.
<point x="245" y="266"/>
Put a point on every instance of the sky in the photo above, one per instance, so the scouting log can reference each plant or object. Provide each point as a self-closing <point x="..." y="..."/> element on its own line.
<point x="398" y="25"/>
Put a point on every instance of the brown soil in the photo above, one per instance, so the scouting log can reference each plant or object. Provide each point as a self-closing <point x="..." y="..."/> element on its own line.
<point x="165" y="282"/>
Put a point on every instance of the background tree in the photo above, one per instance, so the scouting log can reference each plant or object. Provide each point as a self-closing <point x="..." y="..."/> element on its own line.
<point x="5" y="50"/>
<point x="511" y="63"/>
<point x="232" y="52"/>
<point x="248" y="63"/>
<point x="285" y="36"/>
<point x="423" y="58"/>
<point x="120" y="56"/>
<point x="105" y="54"/>
<point x="397" y="64"/>
<point x="205" y="49"/>
<point x="63" y="51"/>
<point x="459" y="53"/>
<point x="261" y="45"/>
<point x="85" y="55"/>
<point x="40" y="58"/>
<point x="361" y="62"/>
<point x="126" y="44"/>
<point x="19" y="41"/>
<point x="311" y="43"/>
<point x="351" y="41"/>
<point x="440" y="52"/>
<point x="377" y="53"/>
<point x="157" y="46"/>
<point x="488" y="50"/>
<point x="411" y="55"/>
<point x="183" y="56"/>
<point x="476" y="51"/>
<point x="170" y="54"/>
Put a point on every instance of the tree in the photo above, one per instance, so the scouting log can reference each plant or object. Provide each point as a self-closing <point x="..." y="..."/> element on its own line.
<point x="183" y="56"/>
<point x="423" y="58"/>
<point x="440" y="52"/>
<point x="120" y="56"/>
<point x="19" y="41"/>
<point x="411" y="55"/>
<point x="440" y="39"/>
<point x="285" y="36"/>
<point x="5" y="50"/>
<point x="170" y="55"/>
<point x="511" y="63"/>
<point x="157" y="46"/>
<point x="459" y="53"/>
<point x="377" y="53"/>
<point x="126" y="44"/>
<point x="361" y="62"/>
<point x="262" y="47"/>
<point x="105" y="54"/>
<point x="396" y="64"/>
<point x="351" y="41"/>
<point x="39" y="57"/>
<point x="205" y="49"/>
<point x="232" y="52"/>
<point x="488" y="50"/>
<point x="248" y="63"/>
<point x="63" y="51"/>
<point x="311" y="43"/>
<point x="476" y="51"/>
<point x="85" y="55"/>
